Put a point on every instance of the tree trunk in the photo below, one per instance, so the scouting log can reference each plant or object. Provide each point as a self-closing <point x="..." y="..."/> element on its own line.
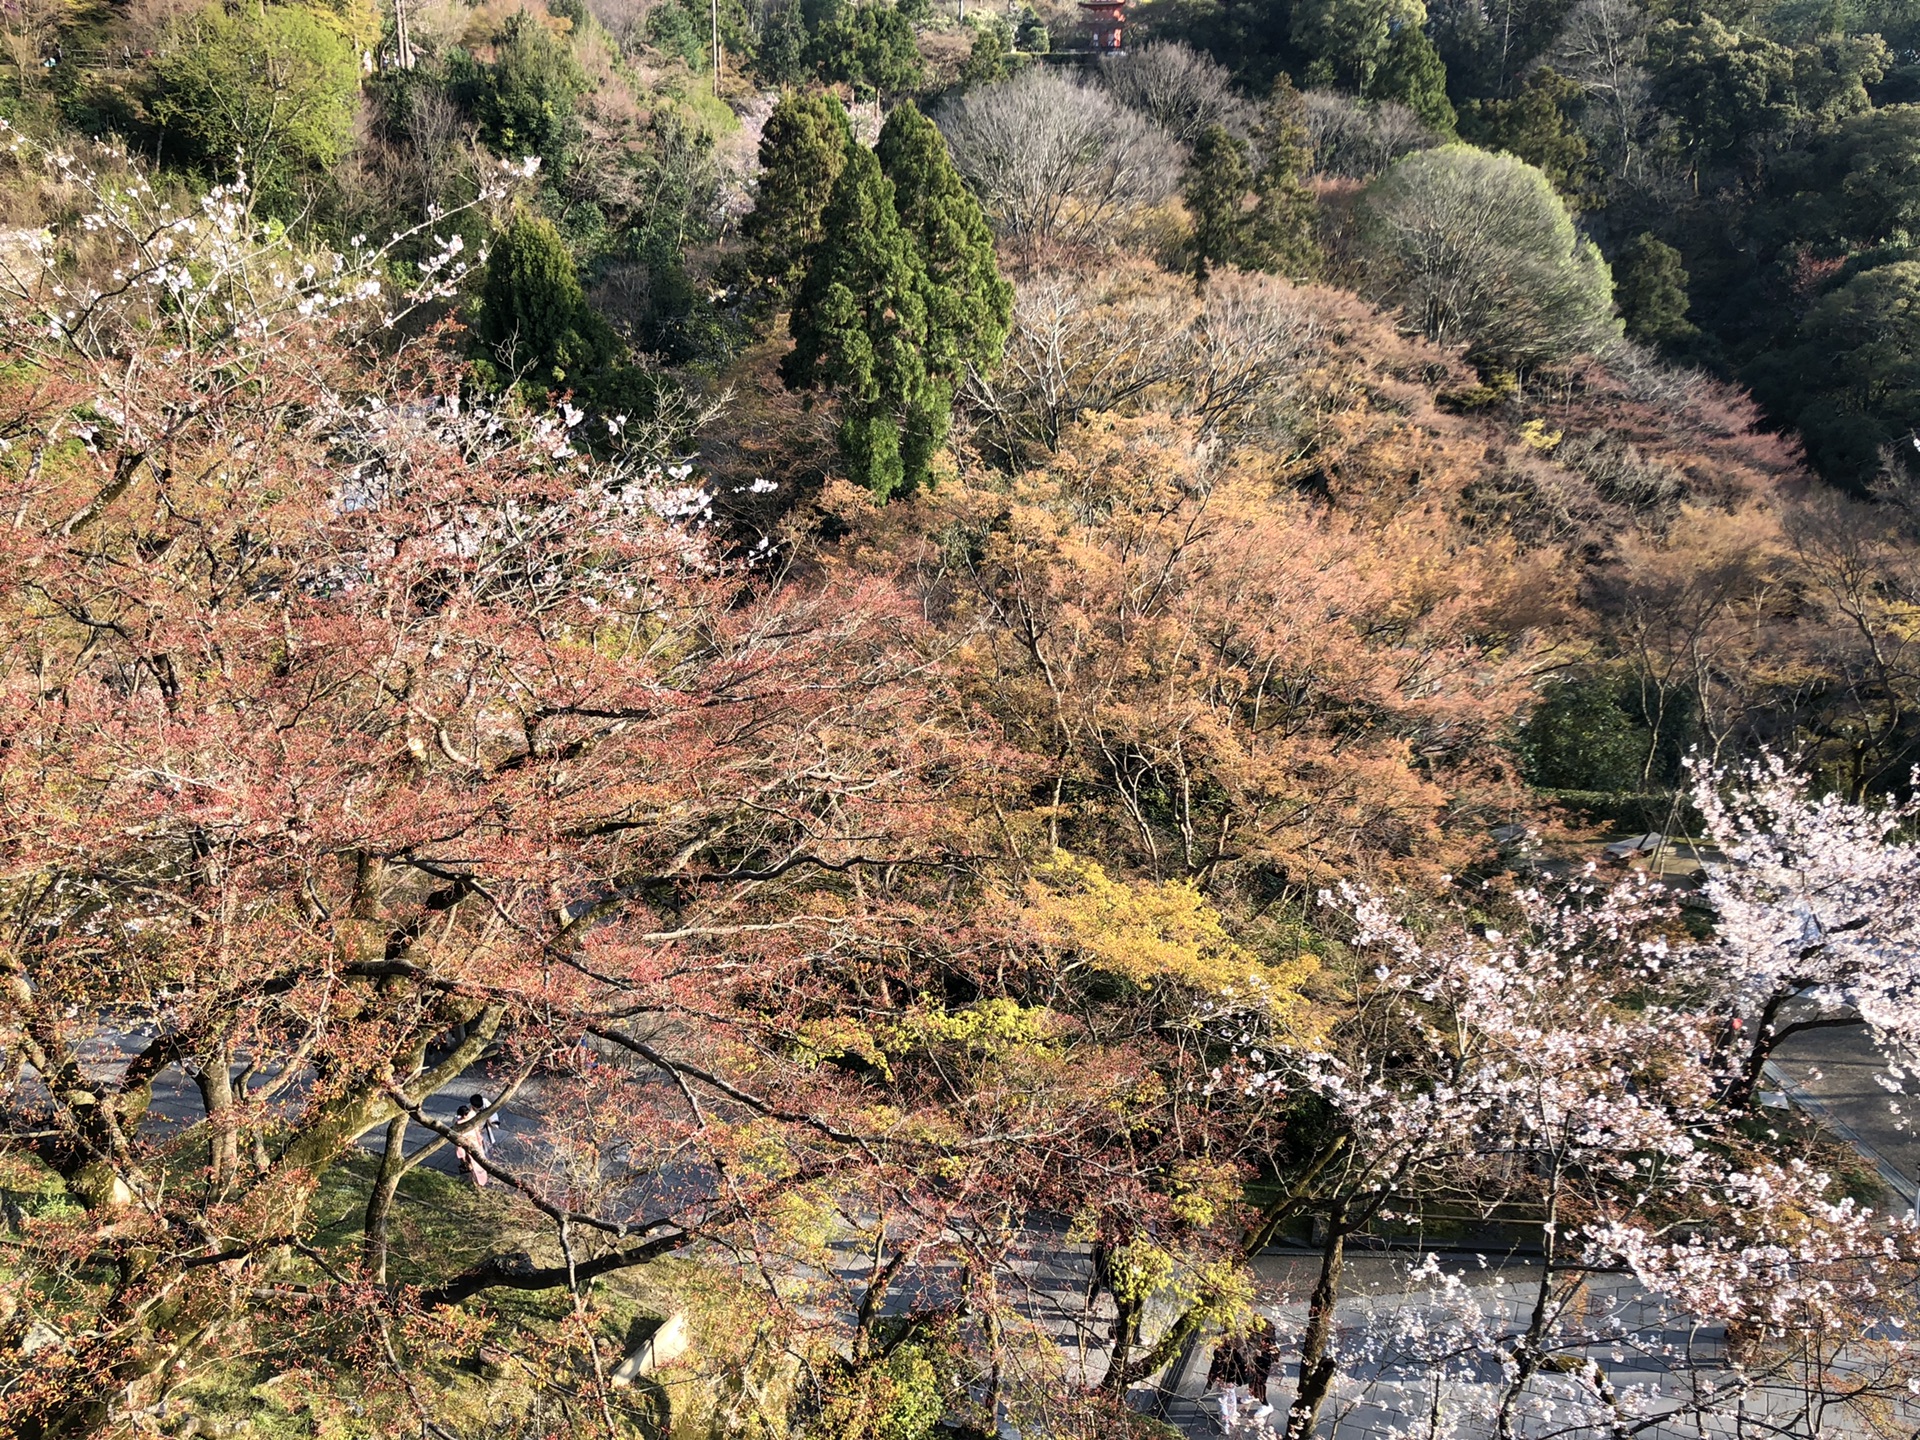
<point x="1740" y="1090"/>
<point x="1316" y="1344"/>
<point x="393" y="1166"/>
<point x="1163" y="1352"/>
<point x="1126" y="1321"/>
<point x="1126" y="1333"/>
<point x="1529" y="1353"/>
<point x="215" y="1082"/>
<point x="1256" y="1238"/>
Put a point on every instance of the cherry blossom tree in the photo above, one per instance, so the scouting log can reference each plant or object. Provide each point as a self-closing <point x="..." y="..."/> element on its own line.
<point x="1817" y="915"/>
<point x="343" y="715"/>
<point x="1568" y="1068"/>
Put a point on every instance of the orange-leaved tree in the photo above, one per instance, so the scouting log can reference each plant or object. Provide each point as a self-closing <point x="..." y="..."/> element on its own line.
<point x="355" y="736"/>
<point x="1215" y="676"/>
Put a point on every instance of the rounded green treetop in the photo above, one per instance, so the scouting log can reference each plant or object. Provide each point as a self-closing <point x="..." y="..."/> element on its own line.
<point x="1479" y="249"/>
<point x="533" y="314"/>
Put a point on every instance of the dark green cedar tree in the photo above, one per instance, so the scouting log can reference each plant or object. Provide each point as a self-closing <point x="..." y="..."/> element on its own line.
<point x="1536" y="126"/>
<point x="1582" y="736"/>
<point x="783" y="46"/>
<point x="859" y="323"/>
<point x="524" y="100"/>
<point x="1650" y="287"/>
<point x="1280" y="230"/>
<point x="671" y="31"/>
<point x="1412" y="72"/>
<point x="969" y="307"/>
<point x="819" y="14"/>
<point x="534" y="317"/>
<point x="1215" y="188"/>
<point x="802" y="148"/>
<point x="871" y="48"/>
<point x="986" y="62"/>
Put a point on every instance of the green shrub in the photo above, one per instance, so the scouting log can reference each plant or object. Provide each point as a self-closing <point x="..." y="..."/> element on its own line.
<point x="1479" y="249"/>
<point x="1581" y="736"/>
<point x="533" y="314"/>
<point x="271" y="89"/>
<point x="523" y="101"/>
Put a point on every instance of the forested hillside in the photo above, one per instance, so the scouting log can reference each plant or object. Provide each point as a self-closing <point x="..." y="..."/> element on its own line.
<point x="797" y="719"/>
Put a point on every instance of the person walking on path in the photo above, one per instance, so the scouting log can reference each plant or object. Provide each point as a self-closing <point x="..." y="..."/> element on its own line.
<point x="469" y="1147"/>
<point x="1229" y="1402"/>
<point x="490" y="1127"/>
<point x="1241" y="1365"/>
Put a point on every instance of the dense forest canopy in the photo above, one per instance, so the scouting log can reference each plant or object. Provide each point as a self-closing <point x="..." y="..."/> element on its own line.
<point x="799" y="718"/>
<point x="1746" y="161"/>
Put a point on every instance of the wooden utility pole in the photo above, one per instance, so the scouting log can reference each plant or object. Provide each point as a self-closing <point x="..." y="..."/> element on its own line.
<point x="714" y="6"/>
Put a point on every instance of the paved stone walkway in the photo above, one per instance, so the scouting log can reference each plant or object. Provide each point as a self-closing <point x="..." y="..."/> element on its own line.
<point x="1829" y="1072"/>
<point x="1385" y="1403"/>
<point x="1834" y="1074"/>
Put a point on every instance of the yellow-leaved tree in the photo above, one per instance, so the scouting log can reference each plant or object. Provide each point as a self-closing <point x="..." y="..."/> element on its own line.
<point x="1159" y="934"/>
<point x="1167" y="941"/>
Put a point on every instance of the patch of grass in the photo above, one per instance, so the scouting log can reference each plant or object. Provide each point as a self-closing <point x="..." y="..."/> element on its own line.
<point x="508" y="1363"/>
<point x="33" y="1189"/>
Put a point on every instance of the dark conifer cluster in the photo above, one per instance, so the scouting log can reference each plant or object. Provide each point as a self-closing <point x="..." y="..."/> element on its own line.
<point x="899" y="292"/>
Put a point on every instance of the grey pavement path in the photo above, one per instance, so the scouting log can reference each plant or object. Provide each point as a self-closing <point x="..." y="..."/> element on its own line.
<point x="1385" y="1401"/>
<point x="176" y="1102"/>
<point x="1833" y="1074"/>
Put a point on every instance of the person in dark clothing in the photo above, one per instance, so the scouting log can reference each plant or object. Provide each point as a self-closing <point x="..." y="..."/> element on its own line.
<point x="1241" y="1364"/>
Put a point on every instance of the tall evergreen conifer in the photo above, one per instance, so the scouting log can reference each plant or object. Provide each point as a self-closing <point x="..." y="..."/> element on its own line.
<point x="969" y="308"/>
<point x="1650" y="289"/>
<point x="986" y="62"/>
<point x="1215" y="189"/>
<point x="802" y="149"/>
<point x="871" y="48"/>
<point x="1537" y="127"/>
<point x="1412" y="72"/>
<point x="783" y="46"/>
<point x="859" y="324"/>
<point x="524" y="100"/>
<point x="1280" y="232"/>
